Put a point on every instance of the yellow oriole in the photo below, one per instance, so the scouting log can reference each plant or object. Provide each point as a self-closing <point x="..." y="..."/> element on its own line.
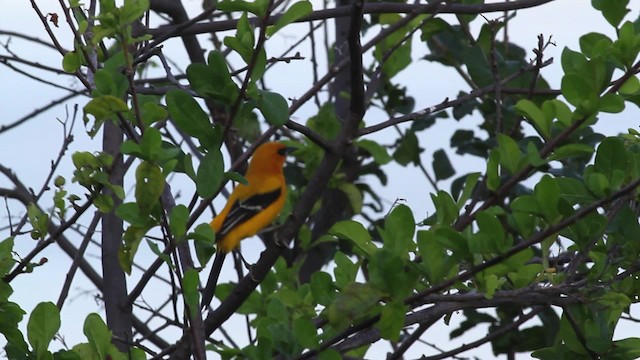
<point x="250" y="208"/>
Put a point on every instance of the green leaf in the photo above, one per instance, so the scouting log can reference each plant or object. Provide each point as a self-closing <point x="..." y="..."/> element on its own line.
<point x="612" y="10"/>
<point x="399" y="227"/>
<point x="400" y="58"/>
<point x="345" y="270"/>
<point x="511" y="157"/>
<point x="130" y="213"/>
<point x="547" y="193"/>
<point x="43" y="325"/>
<point x="190" y="118"/>
<point x="446" y="209"/>
<point x="239" y="5"/>
<point x="204" y="242"/>
<point x="132" y="237"/>
<point x="151" y="144"/>
<point x="305" y="332"/>
<point x="295" y="12"/>
<point x="379" y="153"/>
<point x="110" y="82"/>
<point x="329" y="354"/>
<point x="156" y="250"/>
<point x="579" y="92"/>
<point x="178" y="219"/>
<point x="322" y="288"/>
<point x="571" y="150"/>
<point x="132" y="10"/>
<point x="72" y="61"/>
<point x="469" y="185"/>
<point x="631" y="86"/>
<point x="354" y="195"/>
<point x="210" y="173"/>
<point x="573" y="61"/>
<point x="325" y="122"/>
<point x="392" y="320"/>
<point x="535" y="115"/>
<point x="595" y="44"/>
<point x="103" y="108"/>
<point x="213" y="80"/>
<point x="491" y="238"/>
<point x="408" y="151"/>
<point x="611" y="103"/>
<point x="237" y="177"/>
<point x="273" y="107"/>
<point x="190" y="283"/>
<point x="98" y="334"/>
<point x="492" y="283"/>
<point x="149" y="186"/>
<point x="104" y="203"/>
<point x="437" y="262"/>
<point x="6" y="258"/>
<point x="389" y="274"/>
<point x="574" y="191"/>
<point x="559" y="110"/>
<point x="352" y="303"/>
<point x="442" y="166"/>
<point x="611" y="160"/>
<point x="244" y="39"/>
<point x="38" y="220"/>
<point x="356" y="233"/>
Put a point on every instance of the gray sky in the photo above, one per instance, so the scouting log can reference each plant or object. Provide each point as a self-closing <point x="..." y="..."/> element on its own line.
<point x="29" y="149"/>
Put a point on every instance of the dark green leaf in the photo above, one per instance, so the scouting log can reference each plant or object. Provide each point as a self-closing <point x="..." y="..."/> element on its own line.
<point x="611" y="103"/>
<point x="190" y="283"/>
<point x="178" y="219"/>
<point x="295" y="12"/>
<point x="408" y="151"/>
<point x="132" y="10"/>
<point x="352" y="303"/>
<point x="149" y="186"/>
<point x="151" y="144"/>
<point x="442" y="166"/>
<point x="392" y="320"/>
<point x="322" y="288"/>
<point x="305" y="332"/>
<point x="190" y="118"/>
<point x="273" y="107"/>
<point x="210" y="173"/>
<point x="204" y="240"/>
<point x="611" y="160"/>
<point x="612" y="10"/>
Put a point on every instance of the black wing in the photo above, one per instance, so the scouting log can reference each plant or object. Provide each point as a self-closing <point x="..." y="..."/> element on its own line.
<point x="242" y="211"/>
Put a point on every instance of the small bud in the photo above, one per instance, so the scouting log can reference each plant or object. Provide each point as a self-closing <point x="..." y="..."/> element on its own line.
<point x="59" y="181"/>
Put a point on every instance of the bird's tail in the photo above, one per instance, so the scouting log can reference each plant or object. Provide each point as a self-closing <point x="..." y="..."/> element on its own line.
<point x="210" y="289"/>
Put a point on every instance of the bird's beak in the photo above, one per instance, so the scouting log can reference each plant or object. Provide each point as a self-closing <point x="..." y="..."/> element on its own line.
<point x="286" y="150"/>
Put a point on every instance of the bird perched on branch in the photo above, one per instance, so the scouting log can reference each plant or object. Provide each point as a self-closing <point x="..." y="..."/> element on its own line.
<point x="250" y="208"/>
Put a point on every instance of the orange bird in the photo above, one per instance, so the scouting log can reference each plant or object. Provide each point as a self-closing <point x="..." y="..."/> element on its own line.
<point x="250" y="208"/>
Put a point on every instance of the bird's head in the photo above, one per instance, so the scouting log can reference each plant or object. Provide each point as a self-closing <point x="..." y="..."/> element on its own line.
<point x="269" y="157"/>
